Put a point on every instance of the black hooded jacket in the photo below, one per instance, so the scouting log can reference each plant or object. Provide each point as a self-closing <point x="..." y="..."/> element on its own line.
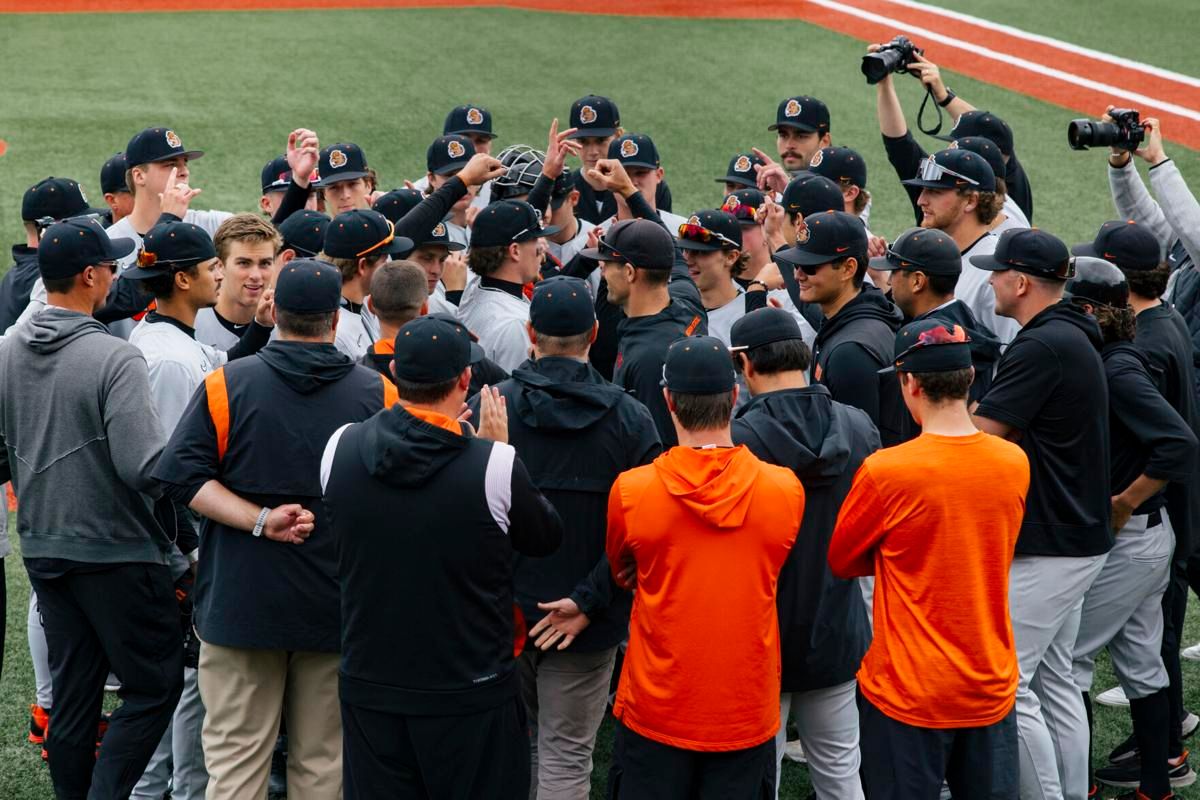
<point x="985" y="347"/>
<point x="850" y="349"/>
<point x="1148" y="436"/>
<point x="823" y="625"/>
<point x="426" y="519"/>
<point x="575" y="432"/>
<point x="274" y="412"/>
<point x="17" y="285"/>
<point x="1050" y="386"/>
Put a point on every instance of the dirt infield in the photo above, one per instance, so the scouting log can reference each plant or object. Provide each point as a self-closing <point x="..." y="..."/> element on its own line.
<point x="1056" y="72"/>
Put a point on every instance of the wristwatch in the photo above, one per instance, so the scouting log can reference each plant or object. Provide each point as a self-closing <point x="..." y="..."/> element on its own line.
<point x="261" y="522"/>
<point x="950" y="95"/>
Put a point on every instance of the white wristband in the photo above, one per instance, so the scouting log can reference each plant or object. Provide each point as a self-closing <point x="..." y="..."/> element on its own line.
<point x="262" y="521"/>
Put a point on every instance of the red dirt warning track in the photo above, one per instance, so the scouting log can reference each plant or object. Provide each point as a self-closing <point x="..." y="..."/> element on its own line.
<point x="1173" y="98"/>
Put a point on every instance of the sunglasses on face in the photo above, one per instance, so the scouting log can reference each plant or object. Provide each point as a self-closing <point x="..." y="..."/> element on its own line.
<point x="812" y="269"/>
<point x="699" y="233"/>
<point x="933" y="171"/>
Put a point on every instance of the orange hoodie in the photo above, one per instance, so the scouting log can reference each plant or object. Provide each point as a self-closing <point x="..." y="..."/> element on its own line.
<point x="709" y="530"/>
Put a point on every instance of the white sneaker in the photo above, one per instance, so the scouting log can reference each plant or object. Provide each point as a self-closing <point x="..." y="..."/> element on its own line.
<point x="1189" y="725"/>
<point x="1191" y="653"/>
<point x="793" y="751"/>
<point x="1113" y="697"/>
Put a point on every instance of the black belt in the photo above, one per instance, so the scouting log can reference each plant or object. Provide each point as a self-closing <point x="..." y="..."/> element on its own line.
<point x="1154" y="518"/>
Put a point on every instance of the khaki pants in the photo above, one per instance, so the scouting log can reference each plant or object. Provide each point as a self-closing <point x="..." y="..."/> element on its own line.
<point x="245" y="692"/>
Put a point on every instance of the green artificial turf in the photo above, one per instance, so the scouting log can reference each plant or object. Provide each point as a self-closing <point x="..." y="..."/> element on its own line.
<point x="234" y="84"/>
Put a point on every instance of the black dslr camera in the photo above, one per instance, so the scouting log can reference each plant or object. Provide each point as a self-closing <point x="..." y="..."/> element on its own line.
<point x="895" y="56"/>
<point x="1125" y="131"/>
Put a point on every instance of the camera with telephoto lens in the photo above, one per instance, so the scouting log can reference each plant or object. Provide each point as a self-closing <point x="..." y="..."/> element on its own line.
<point x="1125" y="131"/>
<point x="895" y="56"/>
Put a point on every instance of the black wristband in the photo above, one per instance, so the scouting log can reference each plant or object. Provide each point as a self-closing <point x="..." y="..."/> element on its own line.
<point x="949" y="99"/>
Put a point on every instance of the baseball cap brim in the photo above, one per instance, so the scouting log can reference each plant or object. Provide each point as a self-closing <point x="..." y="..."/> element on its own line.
<point x="120" y="247"/>
<point x="549" y="230"/>
<point x="476" y="355"/>
<point x="799" y="257"/>
<point x="190" y="155"/>
<point x="951" y="183"/>
<point x="143" y="273"/>
<point x="453" y="166"/>
<point x="470" y="132"/>
<point x="882" y="263"/>
<point x="739" y="180"/>
<point x="339" y="177"/>
<point x="400" y="244"/>
<point x="642" y="164"/>
<point x="1087" y="249"/>
<point x="800" y="126"/>
<point x="705" y="247"/>
<point x="587" y="133"/>
<point x="990" y="263"/>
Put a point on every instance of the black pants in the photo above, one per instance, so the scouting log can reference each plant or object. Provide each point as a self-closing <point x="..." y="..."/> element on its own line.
<point x="126" y="618"/>
<point x="903" y="762"/>
<point x="404" y="757"/>
<point x="643" y="768"/>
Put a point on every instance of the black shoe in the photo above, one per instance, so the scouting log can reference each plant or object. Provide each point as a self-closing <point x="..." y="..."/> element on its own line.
<point x="277" y="782"/>
<point x="1129" y="774"/>
<point x="1124" y="753"/>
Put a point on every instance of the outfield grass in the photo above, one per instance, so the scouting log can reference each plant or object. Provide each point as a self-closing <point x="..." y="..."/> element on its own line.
<point x="234" y="84"/>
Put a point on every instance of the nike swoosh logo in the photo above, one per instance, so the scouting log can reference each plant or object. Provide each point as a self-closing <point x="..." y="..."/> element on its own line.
<point x="842" y="249"/>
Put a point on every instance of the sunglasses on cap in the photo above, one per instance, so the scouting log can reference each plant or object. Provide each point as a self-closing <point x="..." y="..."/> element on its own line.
<point x="699" y="233"/>
<point x="386" y="240"/>
<point x="931" y="170"/>
<point x="904" y="263"/>
<point x="742" y="211"/>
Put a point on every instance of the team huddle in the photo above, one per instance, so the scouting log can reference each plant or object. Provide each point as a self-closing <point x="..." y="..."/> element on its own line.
<point x="394" y="494"/>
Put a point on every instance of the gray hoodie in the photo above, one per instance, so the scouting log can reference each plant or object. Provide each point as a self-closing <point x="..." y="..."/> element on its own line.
<point x="80" y="439"/>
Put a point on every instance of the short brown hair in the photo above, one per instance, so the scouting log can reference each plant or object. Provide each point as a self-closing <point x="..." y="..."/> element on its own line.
<point x="1149" y="283"/>
<point x="483" y="261"/>
<point x="742" y="263"/>
<point x="861" y="199"/>
<point x="398" y="290"/>
<point x="425" y="393"/>
<point x="703" y="412"/>
<point x="308" y="326"/>
<point x="129" y="181"/>
<point x="348" y="267"/>
<point x="245" y="228"/>
<point x="987" y="206"/>
<point x="940" y="387"/>
<point x="575" y="345"/>
<point x="654" y="277"/>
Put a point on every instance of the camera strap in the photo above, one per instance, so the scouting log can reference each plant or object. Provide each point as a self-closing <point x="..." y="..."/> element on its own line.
<point x="937" y="129"/>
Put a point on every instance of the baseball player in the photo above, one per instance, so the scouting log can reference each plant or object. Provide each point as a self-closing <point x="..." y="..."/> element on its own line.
<point x="475" y="123"/>
<point x="801" y="129"/>
<point x="346" y="180"/>
<point x="246" y="247"/>
<point x="276" y="180"/>
<point x="741" y="173"/>
<point x="444" y="159"/>
<point x="117" y="195"/>
<point x="1151" y="445"/>
<point x="711" y="241"/>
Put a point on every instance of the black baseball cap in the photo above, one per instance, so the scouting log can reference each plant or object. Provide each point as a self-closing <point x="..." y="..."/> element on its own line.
<point x="68" y="247"/>
<point x="169" y="246"/>
<point x="711" y="229"/>
<point x="463" y="120"/>
<point x="564" y="184"/>
<point x="809" y="193"/>
<point x="927" y="250"/>
<point x="698" y="365"/>
<point x="398" y="202"/>
<point x="763" y="326"/>
<point x="744" y="205"/>
<point x="984" y="147"/>
<point x="635" y="150"/>
<point x="803" y="113"/>
<point x="112" y="175"/>
<point x="741" y="170"/>
<point x="448" y="154"/>
<point x="840" y="163"/>
<point x="276" y="175"/>
<point x="931" y="345"/>
<point x="1099" y="282"/>
<point x="308" y="286"/>
<point x="157" y="144"/>
<point x="53" y="199"/>
<point x="341" y="162"/>
<point x="987" y="125"/>
<point x="508" y="221"/>
<point x="439" y="235"/>
<point x="304" y="232"/>
<point x="432" y="349"/>
<point x="1029" y="250"/>
<point x="954" y="169"/>
<point x="562" y="306"/>
<point x="477" y="353"/>
<point x="1125" y="243"/>
<point x="639" y="242"/>
<point x="360" y="232"/>
<point x="826" y="237"/>
<point x="594" y="115"/>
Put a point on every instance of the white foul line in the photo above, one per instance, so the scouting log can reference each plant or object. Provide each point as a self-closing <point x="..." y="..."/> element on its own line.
<point x="1041" y="69"/>
<point x="1139" y="66"/>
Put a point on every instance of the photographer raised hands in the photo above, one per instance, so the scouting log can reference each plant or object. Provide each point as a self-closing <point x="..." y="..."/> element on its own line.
<point x="1151" y="150"/>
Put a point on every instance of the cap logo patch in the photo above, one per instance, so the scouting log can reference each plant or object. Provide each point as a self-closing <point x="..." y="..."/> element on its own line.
<point x="587" y="115"/>
<point x="173" y="140"/>
<point x="629" y="148"/>
<point x="731" y="204"/>
<point x="474" y="116"/>
<point x="802" y="234"/>
<point x="337" y="159"/>
<point x="439" y="230"/>
<point x="694" y="220"/>
<point x="455" y="148"/>
<point x="942" y="335"/>
<point x="742" y="164"/>
<point x="817" y="158"/>
<point x="953" y="145"/>
<point x="792" y="109"/>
